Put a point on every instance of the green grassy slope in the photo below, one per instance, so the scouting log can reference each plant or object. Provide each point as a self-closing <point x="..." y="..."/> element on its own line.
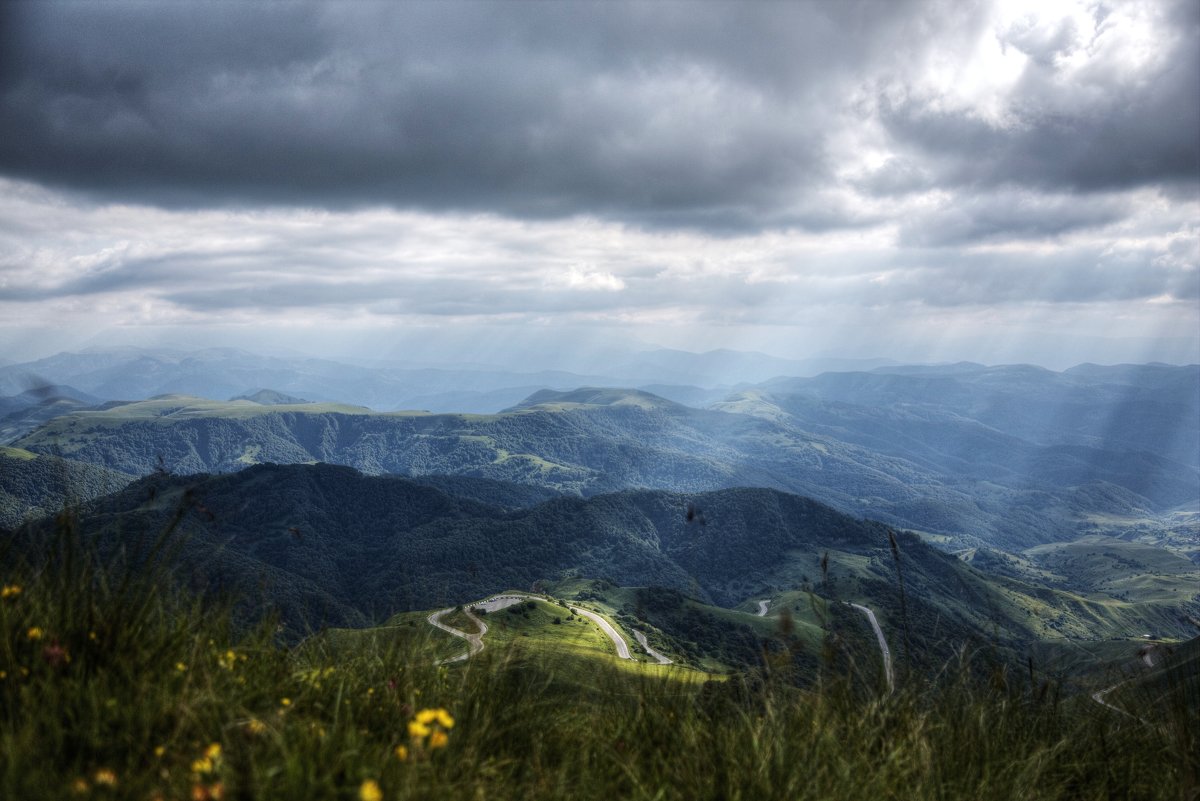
<point x="1129" y="570"/>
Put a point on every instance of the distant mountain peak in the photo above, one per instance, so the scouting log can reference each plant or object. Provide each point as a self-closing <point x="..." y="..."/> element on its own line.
<point x="594" y="396"/>
<point x="270" y="397"/>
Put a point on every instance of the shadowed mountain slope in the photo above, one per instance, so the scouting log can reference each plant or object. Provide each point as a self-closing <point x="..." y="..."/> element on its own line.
<point x="329" y="545"/>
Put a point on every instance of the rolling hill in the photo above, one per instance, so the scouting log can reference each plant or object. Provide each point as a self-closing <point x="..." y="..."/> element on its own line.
<point x="957" y="479"/>
<point x="33" y="485"/>
<point x="328" y="545"/>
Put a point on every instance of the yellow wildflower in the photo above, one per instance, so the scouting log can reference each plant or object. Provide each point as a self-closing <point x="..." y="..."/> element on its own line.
<point x="285" y="701"/>
<point x="35" y="633"/>
<point x="159" y="750"/>
<point x="255" y="726"/>
<point x="10" y="591"/>
<point x="402" y="753"/>
<point x="369" y="791"/>
<point x="432" y="724"/>
<point x="180" y="666"/>
<point x="210" y="762"/>
<point x="105" y="777"/>
<point x="80" y="786"/>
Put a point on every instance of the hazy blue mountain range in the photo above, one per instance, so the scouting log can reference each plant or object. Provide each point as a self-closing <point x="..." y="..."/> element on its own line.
<point x="1150" y="407"/>
<point x="137" y="374"/>
<point x="140" y="373"/>
<point x="908" y="465"/>
<point x="1008" y="457"/>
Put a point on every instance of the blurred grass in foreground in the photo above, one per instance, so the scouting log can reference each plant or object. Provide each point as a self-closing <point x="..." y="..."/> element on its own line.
<point x="115" y="685"/>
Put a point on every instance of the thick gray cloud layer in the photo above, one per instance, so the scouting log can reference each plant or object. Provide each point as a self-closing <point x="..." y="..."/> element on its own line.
<point x="717" y="116"/>
<point x="812" y="166"/>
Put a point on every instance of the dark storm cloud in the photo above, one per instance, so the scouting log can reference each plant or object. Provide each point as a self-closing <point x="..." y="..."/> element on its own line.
<point x="705" y="115"/>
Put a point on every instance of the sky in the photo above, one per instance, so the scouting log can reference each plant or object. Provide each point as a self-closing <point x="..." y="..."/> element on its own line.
<point x="923" y="181"/>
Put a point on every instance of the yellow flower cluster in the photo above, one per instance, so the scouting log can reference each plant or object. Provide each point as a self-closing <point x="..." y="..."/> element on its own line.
<point x="203" y="770"/>
<point x="428" y="729"/>
<point x="10" y="591"/>
<point x="209" y="763"/>
<point x="35" y="633"/>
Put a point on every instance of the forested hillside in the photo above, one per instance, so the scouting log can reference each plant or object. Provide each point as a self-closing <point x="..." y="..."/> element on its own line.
<point x="33" y="485"/>
<point x="328" y="545"/>
<point x="972" y="484"/>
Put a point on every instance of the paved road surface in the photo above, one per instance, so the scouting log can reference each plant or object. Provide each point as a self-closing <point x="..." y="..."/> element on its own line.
<point x="883" y="646"/>
<point x="474" y="641"/>
<point x="606" y="627"/>
<point x="762" y="608"/>
<point x="1099" y="699"/>
<point x="641" y="638"/>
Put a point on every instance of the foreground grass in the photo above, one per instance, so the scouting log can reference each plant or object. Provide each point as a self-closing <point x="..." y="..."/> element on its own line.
<point x="112" y="687"/>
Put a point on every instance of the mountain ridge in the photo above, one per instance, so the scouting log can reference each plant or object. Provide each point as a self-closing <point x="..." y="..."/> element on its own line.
<point x="338" y="548"/>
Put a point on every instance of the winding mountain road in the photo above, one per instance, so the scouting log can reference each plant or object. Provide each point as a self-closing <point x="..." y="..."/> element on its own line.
<point x="762" y="608"/>
<point x="883" y="646"/>
<point x="607" y="628"/>
<point x="642" y="641"/>
<point x="498" y="602"/>
<point x="474" y="641"/>
<point x="1099" y="699"/>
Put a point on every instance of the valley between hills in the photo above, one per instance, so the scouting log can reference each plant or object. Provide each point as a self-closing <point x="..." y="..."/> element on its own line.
<point x="903" y="545"/>
<point x="1019" y="507"/>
